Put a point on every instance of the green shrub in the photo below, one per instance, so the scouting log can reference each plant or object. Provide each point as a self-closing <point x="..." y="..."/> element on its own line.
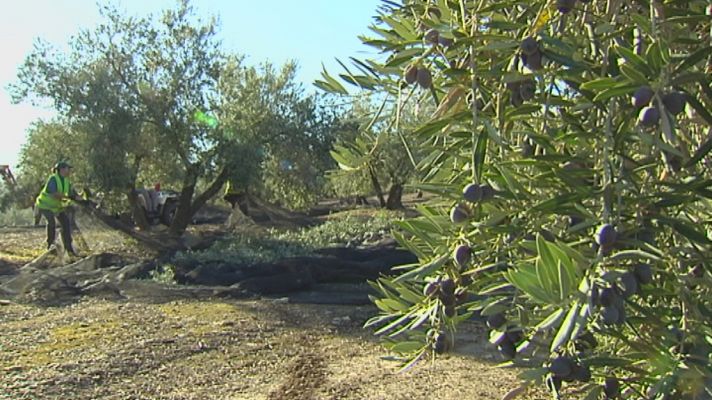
<point x="346" y="230"/>
<point x="165" y="274"/>
<point x="349" y="230"/>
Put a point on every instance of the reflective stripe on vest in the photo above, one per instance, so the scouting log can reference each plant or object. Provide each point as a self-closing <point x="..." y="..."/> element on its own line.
<point x="230" y="189"/>
<point x="45" y="201"/>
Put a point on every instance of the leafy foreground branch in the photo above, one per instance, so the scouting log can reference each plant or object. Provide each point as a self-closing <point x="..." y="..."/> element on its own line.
<point x="569" y="145"/>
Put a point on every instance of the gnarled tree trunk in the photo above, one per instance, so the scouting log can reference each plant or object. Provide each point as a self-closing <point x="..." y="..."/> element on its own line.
<point x="395" y="197"/>
<point x="377" y="186"/>
<point x="187" y="207"/>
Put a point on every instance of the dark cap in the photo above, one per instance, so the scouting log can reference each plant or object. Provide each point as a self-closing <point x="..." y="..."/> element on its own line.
<point x="62" y="164"/>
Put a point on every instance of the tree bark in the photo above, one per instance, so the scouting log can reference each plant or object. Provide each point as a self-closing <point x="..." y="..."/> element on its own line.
<point x="395" y="197"/>
<point x="187" y="207"/>
<point x="137" y="213"/>
<point x="377" y="186"/>
<point x="184" y="213"/>
<point x="210" y="192"/>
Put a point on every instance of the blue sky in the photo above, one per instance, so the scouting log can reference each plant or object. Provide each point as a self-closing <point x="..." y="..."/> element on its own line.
<point x="311" y="32"/>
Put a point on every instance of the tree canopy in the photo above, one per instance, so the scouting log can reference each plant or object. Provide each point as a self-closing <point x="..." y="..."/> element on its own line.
<point x="158" y="99"/>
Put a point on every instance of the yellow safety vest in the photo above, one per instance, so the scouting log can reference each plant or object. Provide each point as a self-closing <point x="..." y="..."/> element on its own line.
<point x="230" y="189"/>
<point x="45" y="200"/>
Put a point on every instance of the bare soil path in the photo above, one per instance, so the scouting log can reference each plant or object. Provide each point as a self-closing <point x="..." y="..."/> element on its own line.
<point x="211" y="349"/>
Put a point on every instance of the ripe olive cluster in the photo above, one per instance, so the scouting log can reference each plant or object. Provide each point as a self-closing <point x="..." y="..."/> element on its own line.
<point x="612" y="298"/>
<point x="585" y="341"/>
<point x="566" y="6"/>
<point x="507" y="344"/>
<point x="434" y="37"/>
<point x="645" y="99"/>
<point x="444" y="290"/>
<point x="530" y="53"/>
<point x="521" y="91"/>
<point x="461" y="255"/>
<point x="441" y="343"/>
<point x="509" y="337"/>
<point x="566" y="369"/>
<point x="418" y="74"/>
<point x="459" y="214"/>
<point x="606" y="238"/>
<point x="611" y="388"/>
<point x="527" y="147"/>
<point x="473" y="193"/>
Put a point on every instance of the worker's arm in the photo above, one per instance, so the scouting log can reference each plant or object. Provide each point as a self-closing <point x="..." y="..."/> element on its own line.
<point x="52" y="190"/>
<point x="73" y="193"/>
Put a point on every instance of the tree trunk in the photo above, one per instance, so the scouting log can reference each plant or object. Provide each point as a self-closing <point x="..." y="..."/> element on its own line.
<point x="210" y="192"/>
<point x="395" y="197"/>
<point x="377" y="186"/>
<point x="187" y="207"/>
<point x="138" y="213"/>
<point x="184" y="212"/>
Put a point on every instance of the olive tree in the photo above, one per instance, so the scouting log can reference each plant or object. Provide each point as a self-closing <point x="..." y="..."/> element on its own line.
<point x="280" y="136"/>
<point x="134" y="81"/>
<point x="376" y="154"/>
<point x="159" y="100"/>
<point x="569" y="147"/>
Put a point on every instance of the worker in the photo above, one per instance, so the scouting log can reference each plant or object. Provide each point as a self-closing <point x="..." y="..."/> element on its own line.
<point x="154" y="196"/>
<point x="148" y="200"/>
<point x="53" y="203"/>
<point x="235" y="196"/>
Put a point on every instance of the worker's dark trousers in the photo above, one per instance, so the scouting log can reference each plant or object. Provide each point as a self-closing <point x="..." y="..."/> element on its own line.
<point x="63" y="219"/>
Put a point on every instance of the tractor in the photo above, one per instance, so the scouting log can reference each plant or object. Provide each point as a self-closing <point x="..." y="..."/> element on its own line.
<point x="158" y="205"/>
<point x="7" y="176"/>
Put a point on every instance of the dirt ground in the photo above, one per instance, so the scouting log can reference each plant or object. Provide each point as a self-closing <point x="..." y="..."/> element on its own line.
<point x="22" y="244"/>
<point x="264" y="349"/>
<point x="162" y="347"/>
